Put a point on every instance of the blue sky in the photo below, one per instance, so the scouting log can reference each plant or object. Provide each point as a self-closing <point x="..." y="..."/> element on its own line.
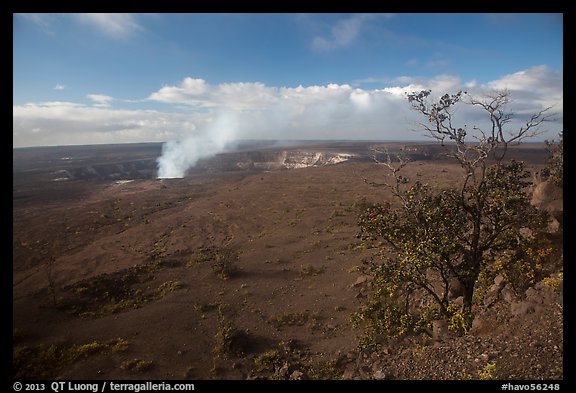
<point x="115" y="78"/>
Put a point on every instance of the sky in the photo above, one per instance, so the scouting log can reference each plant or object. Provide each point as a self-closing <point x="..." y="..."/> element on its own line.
<point x="184" y="78"/>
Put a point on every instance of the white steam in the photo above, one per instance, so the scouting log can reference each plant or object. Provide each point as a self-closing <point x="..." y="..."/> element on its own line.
<point x="256" y="111"/>
<point x="178" y="156"/>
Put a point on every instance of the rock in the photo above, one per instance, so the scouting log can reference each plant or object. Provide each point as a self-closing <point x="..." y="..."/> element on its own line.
<point x="490" y="298"/>
<point x="523" y="308"/>
<point x="493" y="293"/>
<point x="507" y="295"/>
<point x="296" y="375"/>
<point x="477" y="325"/>
<point x="555" y="224"/>
<point x="439" y="330"/>
<point x="531" y="293"/>
<point x="379" y="374"/>
<point x="499" y="281"/>
<point x="550" y="198"/>
<point x="349" y="373"/>
<point x="365" y="372"/>
<point x="459" y="301"/>
<point x="359" y="281"/>
<point x="283" y="371"/>
<point x="545" y="193"/>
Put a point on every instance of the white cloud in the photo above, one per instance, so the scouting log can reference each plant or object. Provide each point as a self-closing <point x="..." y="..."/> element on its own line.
<point x="344" y="32"/>
<point x="332" y="111"/>
<point x="439" y="85"/>
<point x="118" y="26"/>
<point x="540" y="77"/>
<point x="63" y="123"/>
<point x="412" y="62"/>
<point x="197" y="93"/>
<point x="100" y="100"/>
<point x="536" y="85"/>
<point x="59" y="87"/>
<point x="361" y="99"/>
<point x="42" y="21"/>
<point x="113" y="25"/>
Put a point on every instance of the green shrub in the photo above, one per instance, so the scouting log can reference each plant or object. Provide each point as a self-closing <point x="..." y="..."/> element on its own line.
<point x="269" y="361"/>
<point x="488" y="372"/>
<point x="137" y="365"/>
<point x="222" y="260"/>
<point x="47" y="361"/>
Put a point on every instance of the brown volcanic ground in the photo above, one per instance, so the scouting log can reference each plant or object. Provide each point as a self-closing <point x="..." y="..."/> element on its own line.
<point x="133" y="261"/>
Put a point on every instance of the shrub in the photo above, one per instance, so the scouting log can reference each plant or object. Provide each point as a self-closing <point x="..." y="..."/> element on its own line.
<point x="222" y="260"/>
<point x="554" y="170"/>
<point x="45" y="362"/>
<point x="137" y="365"/>
<point x="268" y="362"/>
<point x="488" y="372"/>
<point x="436" y="239"/>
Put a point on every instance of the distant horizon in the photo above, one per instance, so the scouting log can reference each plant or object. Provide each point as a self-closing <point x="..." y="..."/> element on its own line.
<point x="286" y="141"/>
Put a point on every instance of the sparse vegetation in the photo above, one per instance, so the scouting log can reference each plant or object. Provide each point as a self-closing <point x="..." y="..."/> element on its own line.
<point x="554" y="281"/>
<point x="222" y="260"/>
<point x="290" y="319"/>
<point x="281" y="364"/>
<point x="46" y="361"/>
<point x="554" y="171"/>
<point x="296" y="319"/>
<point x="111" y="294"/>
<point x="51" y="280"/>
<point x="224" y="339"/>
<point x="269" y="361"/>
<point x="488" y="372"/>
<point x="323" y="370"/>
<point x="207" y="307"/>
<point x="229" y="341"/>
<point x="309" y="270"/>
<point x="137" y="365"/>
<point x="199" y="257"/>
<point x="120" y="345"/>
<point x="166" y="288"/>
<point x="287" y="278"/>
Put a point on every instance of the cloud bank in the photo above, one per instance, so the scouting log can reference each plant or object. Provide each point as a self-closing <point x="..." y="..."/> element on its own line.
<point x="204" y="117"/>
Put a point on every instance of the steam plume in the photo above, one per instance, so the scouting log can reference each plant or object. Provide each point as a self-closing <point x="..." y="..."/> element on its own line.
<point x="178" y="156"/>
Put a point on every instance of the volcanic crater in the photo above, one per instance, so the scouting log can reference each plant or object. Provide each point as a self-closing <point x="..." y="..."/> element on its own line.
<point x="243" y="267"/>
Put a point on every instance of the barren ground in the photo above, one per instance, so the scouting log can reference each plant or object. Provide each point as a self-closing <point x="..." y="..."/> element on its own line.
<point x="95" y="261"/>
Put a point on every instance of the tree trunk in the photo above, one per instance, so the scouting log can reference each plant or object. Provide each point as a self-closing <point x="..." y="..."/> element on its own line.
<point x="467" y="296"/>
